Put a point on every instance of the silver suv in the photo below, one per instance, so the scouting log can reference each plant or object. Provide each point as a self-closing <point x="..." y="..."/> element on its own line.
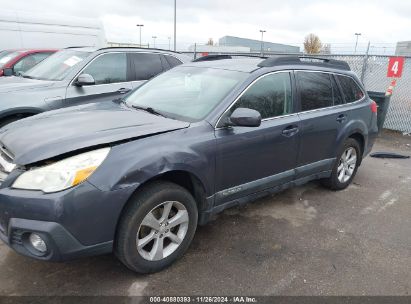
<point x="76" y="76"/>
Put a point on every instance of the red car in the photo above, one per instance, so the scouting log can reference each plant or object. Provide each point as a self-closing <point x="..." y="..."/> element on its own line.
<point x="13" y="62"/>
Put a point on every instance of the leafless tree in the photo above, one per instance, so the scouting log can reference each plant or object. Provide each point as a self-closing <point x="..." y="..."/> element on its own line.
<point x="210" y="41"/>
<point x="326" y="49"/>
<point x="312" y="44"/>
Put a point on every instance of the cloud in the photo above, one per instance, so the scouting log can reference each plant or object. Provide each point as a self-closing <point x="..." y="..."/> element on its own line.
<point x="285" y="21"/>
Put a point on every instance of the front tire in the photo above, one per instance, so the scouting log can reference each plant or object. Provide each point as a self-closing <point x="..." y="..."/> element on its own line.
<point x="345" y="167"/>
<point x="156" y="228"/>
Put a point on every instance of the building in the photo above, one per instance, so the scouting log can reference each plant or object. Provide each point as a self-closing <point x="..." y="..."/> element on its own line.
<point x="126" y="44"/>
<point x="255" y="45"/>
<point x="403" y="48"/>
<point x="201" y="48"/>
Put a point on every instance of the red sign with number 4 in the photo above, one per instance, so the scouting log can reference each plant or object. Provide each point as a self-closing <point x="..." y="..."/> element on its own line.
<point x="395" y="67"/>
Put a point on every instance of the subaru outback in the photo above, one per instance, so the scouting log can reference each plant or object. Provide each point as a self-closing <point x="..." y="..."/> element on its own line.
<point x="136" y="176"/>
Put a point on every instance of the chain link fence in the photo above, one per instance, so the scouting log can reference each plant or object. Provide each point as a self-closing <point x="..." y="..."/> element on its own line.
<point x="373" y="71"/>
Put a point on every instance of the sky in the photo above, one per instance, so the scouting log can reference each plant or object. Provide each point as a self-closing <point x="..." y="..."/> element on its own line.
<point x="285" y="21"/>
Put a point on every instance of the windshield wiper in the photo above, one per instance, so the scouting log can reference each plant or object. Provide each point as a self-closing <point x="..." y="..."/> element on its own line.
<point x="148" y="109"/>
<point x="24" y="75"/>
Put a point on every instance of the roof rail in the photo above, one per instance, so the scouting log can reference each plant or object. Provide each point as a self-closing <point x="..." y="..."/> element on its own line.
<point x="78" y="47"/>
<point x="304" y="60"/>
<point x="221" y="57"/>
<point x="212" y="57"/>
<point x="138" y="48"/>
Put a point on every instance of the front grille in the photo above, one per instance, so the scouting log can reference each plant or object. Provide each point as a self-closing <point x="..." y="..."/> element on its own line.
<point x="16" y="237"/>
<point x="6" y="163"/>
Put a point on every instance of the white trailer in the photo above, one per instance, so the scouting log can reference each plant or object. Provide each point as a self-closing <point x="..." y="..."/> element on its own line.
<point x="32" y="30"/>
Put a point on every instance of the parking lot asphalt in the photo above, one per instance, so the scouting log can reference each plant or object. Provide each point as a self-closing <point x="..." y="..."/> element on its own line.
<point x="303" y="241"/>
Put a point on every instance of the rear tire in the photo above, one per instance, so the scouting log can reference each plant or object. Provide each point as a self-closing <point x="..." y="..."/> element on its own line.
<point x="346" y="166"/>
<point x="156" y="227"/>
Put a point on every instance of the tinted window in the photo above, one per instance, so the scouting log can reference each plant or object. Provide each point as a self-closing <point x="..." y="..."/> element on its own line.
<point x="29" y="61"/>
<point x="316" y="90"/>
<point x="336" y="92"/>
<point x="172" y="61"/>
<point x="147" y="66"/>
<point x="108" y="68"/>
<point x="270" y="95"/>
<point x="350" y="88"/>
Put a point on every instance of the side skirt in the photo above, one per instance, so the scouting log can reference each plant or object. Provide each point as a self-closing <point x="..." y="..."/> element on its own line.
<point x="205" y="216"/>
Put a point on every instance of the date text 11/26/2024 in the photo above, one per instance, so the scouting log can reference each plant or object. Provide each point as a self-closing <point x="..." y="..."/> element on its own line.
<point x="204" y="299"/>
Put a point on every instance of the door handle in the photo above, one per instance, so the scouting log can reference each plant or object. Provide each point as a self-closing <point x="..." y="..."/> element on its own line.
<point x="123" y="90"/>
<point x="341" y="118"/>
<point x="290" y="131"/>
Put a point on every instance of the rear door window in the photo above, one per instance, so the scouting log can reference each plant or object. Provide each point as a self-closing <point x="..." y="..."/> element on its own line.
<point x="351" y="90"/>
<point x="336" y="92"/>
<point x="315" y="90"/>
<point x="146" y="65"/>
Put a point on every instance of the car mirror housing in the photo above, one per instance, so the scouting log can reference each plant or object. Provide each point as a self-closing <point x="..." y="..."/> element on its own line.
<point x="85" y="79"/>
<point x="8" y="72"/>
<point x="244" y="117"/>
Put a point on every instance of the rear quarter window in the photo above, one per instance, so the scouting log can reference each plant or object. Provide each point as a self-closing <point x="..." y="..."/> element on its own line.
<point x="351" y="90"/>
<point x="172" y="61"/>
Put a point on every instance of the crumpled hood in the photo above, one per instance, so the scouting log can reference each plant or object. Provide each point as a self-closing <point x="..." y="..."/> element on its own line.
<point x="14" y="84"/>
<point x="57" y="132"/>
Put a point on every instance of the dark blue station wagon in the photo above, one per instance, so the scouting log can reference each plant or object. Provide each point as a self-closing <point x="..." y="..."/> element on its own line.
<point x="136" y="176"/>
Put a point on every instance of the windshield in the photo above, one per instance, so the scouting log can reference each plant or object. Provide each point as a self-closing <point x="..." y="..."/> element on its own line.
<point x="57" y="66"/>
<point x="6" y="56"/>
<point x="186" y="93"/>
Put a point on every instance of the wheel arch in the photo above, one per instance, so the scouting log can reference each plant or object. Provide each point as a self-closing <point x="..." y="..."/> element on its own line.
<point x="183" y="178"/>
<point x="19" y="113"/>
<point x="360" y="138"/>
<point x="355" y="129"/>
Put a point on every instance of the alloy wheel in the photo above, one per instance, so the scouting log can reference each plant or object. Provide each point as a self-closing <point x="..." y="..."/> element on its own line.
<point x="347" y="164"/>
<point x="162" y="230"/>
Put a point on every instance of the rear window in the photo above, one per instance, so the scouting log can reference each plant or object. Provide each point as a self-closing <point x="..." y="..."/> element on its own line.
<point x="351" y="90"/>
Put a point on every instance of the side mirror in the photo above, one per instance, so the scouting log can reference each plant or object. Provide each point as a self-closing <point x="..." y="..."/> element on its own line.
<point x="84" y="79"/>
<point x="244" y="117"/>
<point x="8" y="72"/>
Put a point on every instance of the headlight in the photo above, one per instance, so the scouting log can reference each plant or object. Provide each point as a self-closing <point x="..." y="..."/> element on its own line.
<point x="62" y="174"/>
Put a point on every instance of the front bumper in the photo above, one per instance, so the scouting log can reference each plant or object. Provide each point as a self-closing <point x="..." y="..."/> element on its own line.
<point x="77" y="222"/>
<point x="61" y="245"/>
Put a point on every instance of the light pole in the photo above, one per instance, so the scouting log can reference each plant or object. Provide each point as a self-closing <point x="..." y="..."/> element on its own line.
<point x="262" y="41"/>
<point x="154" y="41"/>
<point x="356" y="42"/>
<point x="175" y="25"/>
<point x="169" y="43"/>
<point x="140" y="26"/>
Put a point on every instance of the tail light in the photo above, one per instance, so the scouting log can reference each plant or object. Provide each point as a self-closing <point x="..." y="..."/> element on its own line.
<point x="373" y="107"/>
